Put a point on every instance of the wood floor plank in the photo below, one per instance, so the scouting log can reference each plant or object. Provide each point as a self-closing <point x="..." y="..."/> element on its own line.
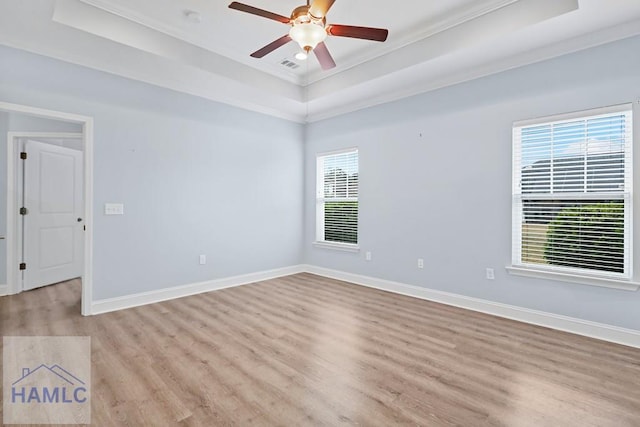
<point x="306" y="350"/>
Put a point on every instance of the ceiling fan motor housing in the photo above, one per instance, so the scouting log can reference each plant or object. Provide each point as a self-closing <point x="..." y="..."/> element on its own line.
<point x="302" y="15"/>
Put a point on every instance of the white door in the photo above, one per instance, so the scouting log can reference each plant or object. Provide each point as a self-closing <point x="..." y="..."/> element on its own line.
<point x="53" y="226"/>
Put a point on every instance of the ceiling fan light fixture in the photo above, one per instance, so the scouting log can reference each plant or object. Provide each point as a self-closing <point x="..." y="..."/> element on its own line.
<point x="308" y="35"/>
<point x="301" y="56"/>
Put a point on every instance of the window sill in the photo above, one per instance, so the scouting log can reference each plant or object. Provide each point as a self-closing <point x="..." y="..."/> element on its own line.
<point x="346" y="247"/>
<point x="604" y="282"/>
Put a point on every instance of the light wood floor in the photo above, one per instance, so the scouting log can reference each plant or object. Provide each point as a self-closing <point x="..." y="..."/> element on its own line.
<point x="305" y="350"/>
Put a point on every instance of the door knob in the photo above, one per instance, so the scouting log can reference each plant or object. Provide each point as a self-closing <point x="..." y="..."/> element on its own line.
<point x="79" y="219"/>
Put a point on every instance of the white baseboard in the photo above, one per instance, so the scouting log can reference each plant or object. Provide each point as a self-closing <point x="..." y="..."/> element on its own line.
<point x="587" y="328"/>
<point x="136" y="300"/>
<point x="629" y="337"/>
<point x="4" y="290"/>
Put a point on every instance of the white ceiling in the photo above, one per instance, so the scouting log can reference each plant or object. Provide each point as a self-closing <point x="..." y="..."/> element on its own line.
<point x="431" y="44"/>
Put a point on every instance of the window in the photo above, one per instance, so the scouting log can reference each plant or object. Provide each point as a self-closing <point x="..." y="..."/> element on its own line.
<point x="337" y="198"/>
<point x="572" y="190"/>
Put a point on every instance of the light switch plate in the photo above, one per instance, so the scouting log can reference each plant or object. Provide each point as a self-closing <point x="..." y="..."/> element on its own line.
<point x="114" y="209"/>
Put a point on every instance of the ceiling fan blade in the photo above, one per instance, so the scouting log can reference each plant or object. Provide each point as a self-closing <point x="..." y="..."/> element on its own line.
<point x="319" y="8"/>
<point x="255" y="11"/>
<point x="324" y="57"/>
<point x="271" y="46"/>
<point x="375" y="34"/>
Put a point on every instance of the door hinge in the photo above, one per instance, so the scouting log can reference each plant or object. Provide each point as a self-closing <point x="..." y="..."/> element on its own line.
<point x="23" y="155"/>
<point x="23" y="266"/>
<point x="24" y="211"/>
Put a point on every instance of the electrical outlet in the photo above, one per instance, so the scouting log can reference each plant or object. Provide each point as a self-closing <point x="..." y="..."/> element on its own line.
<point x="420" y="263"/>
<point x="203" y="259"/>
<point x="367" y="256"/>
<point x="490" y="274"/>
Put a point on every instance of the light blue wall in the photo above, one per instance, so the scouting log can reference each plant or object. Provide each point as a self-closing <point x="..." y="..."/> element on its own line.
<point x="435" y="176"/>
<point x="24" y="123"/>
<point x="195" y="177"/>
<point x="200" y="177"/>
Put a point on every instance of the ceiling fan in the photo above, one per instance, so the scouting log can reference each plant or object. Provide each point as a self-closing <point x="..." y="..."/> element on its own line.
<point x="309" y="29"/>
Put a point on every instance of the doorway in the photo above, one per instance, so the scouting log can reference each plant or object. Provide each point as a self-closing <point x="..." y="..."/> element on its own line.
<point x="64" y="236"/>
<point x="50" y="199"/>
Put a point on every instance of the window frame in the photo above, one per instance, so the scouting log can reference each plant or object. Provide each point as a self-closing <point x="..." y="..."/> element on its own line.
<point x="582" y="276"/>
<point x="321" y="200"/>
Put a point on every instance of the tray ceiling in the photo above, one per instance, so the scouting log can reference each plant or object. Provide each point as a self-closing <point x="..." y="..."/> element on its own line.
<point x="202" y="47"/>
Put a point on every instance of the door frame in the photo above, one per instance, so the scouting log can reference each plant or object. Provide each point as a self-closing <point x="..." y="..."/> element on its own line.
<point x="13" y="282"/>
<point x="15" y="240"/>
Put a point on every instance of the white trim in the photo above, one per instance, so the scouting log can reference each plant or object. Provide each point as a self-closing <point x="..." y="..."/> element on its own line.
<point x="13" y="238"/>
<point x="336" y="152"/>
<point x="592" y="275"/>
<point x="321" y="200"/>
<point x="87" y="277"/>
<point x="43" y="113"/>
<point x="629" y="337"/>
<point x="573" y="278"/>
<point x="573" y="325"/>
<point x="565" y="117"/>
<point x="13" y="285"/>
<point x="87" y="123"/>
<point x="151" y="297"/>
<point x="4" y="290"/>
<point x="415" y="87"/>
<point x="346" y="247"/>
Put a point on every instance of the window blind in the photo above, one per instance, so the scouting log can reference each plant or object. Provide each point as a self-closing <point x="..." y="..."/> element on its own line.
<point x="572" y="189"/>
<point x="337" y="197"/>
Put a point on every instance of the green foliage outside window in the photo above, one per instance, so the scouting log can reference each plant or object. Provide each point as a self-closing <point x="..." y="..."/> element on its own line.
<point x="587" y="236"/>
<point x="341" y="219"/>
